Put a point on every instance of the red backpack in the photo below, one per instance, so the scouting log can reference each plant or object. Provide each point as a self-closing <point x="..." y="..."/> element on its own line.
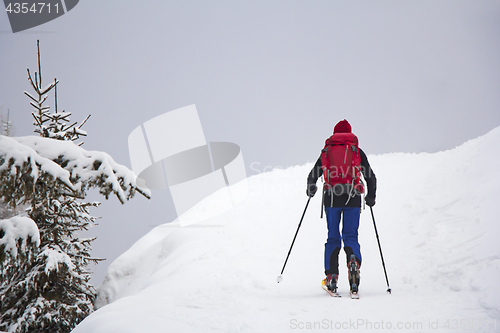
<point x="341" y="162"/>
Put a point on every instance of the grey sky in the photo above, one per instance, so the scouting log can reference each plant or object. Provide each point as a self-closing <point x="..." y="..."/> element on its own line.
<point x="272" y="76"/>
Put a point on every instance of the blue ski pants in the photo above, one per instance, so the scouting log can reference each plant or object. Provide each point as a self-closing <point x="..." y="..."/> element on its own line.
<point x="350" y="225"/>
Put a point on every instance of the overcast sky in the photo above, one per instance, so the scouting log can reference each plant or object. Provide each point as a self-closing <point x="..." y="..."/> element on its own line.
<point x="272" y="76"/>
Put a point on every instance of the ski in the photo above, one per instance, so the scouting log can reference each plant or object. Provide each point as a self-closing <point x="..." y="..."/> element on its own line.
<point x="332" y="293"/>
<point x="354" y="295"/>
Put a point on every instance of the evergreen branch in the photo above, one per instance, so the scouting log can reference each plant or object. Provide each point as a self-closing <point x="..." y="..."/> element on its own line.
<point x="37" y="121"/>
<point x="39" y="62"/>
<point x="43" y="101"/>
<point x="40" y="109"/>
<point x="70" y="126"/>
<point x="84" y="257"/>
<point x="84" y="121"/>
<point x="146" y="195"/>
<point x="72" y="195"/>
<point x="33" y="98"/>
<point x="31" y="81"/>
<point x="55" y="95"/>
<point x="49" y="87"/>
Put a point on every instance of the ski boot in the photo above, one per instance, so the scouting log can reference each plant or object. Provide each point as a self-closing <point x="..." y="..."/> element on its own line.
<point x="330" y="284"/>
<point x="353" y="270"/>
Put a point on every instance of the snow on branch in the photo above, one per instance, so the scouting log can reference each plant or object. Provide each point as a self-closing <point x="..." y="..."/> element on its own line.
<point x="87" y="169"/>
<point x="16" y="233"/>
<point x="16" y="157"/>
<point x="55" y="258"/>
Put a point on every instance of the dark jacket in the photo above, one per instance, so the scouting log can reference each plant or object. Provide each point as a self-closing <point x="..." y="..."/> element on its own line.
<point x="332" y="200"/>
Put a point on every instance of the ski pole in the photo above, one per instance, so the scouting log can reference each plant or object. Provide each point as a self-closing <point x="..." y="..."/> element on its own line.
<point x="280" y="277"/>
<point x="322" y="202"/>
<point x="380" y="249"/>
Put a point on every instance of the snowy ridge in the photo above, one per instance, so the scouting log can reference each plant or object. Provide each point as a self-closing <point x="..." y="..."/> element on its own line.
<point x="438" y="228"/>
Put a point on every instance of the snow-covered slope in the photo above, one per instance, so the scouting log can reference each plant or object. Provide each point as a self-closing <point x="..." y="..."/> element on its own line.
<point x="437" y="221"/>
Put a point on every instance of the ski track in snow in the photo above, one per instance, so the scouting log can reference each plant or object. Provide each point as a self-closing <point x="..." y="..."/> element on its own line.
<point x="438" y="229"/>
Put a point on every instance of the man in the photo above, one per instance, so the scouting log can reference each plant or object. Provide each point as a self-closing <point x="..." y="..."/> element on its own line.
<point x="341" y="163"/>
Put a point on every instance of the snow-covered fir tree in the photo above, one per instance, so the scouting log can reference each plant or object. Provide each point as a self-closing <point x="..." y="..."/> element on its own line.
<point x="6" y="127"/>
<point x="46" y="288"/>
<point x="56" y="125"/>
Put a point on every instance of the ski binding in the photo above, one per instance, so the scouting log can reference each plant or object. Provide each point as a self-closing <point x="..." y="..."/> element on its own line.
<point x="333" y="293"/>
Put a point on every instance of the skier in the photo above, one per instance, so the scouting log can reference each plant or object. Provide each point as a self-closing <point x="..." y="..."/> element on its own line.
<point x="341" y="162"/>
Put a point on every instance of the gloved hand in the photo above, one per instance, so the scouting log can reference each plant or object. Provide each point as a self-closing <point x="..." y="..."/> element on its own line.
<point x="311" y="190"/>
<point x="370" y="201"/>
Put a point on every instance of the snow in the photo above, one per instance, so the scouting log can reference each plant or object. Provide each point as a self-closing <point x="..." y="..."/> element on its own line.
<point x="20" y="153"/>
<point x="436" y="218"/>
<point x="77" y="168"/>
<point x="18" y="228"/>
<point x="82" y="166"/>
<point x="55" y="258"/>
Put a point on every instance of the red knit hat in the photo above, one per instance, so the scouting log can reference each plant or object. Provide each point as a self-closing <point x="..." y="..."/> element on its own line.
<point x="343" y="126"/>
